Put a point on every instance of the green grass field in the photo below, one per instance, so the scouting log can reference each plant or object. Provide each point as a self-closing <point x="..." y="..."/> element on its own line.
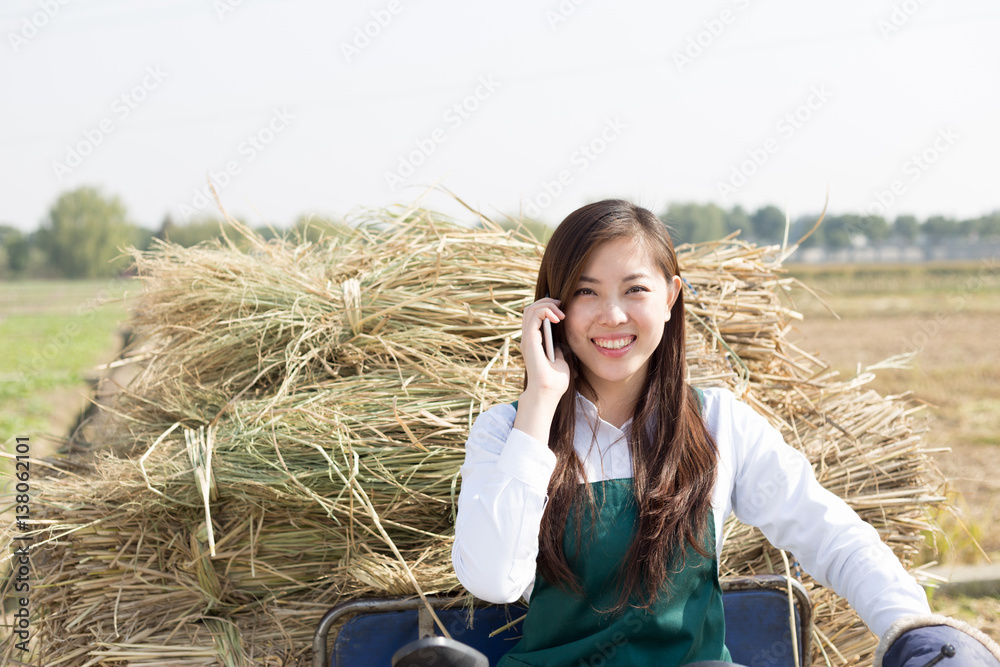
<point x="54" y="333"/>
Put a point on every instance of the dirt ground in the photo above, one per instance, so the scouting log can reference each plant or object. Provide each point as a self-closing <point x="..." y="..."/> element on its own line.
<point x="956" y="371"/>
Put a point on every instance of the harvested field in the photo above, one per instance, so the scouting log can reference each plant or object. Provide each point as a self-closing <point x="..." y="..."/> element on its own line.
<point x="955" y="372"/>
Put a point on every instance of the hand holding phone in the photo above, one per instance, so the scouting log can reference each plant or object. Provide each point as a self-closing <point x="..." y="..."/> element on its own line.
<point x="550" y="351"/>
<point x="547" y="335"/>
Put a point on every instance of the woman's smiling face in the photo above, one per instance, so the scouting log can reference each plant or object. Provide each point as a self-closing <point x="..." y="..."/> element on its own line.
<point x="615" y="319"/>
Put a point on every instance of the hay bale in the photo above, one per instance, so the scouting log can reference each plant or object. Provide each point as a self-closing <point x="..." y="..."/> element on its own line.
<point x="294" y="437"/>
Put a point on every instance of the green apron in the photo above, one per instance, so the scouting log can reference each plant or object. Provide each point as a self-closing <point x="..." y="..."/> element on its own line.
<point x="685" y="625"/>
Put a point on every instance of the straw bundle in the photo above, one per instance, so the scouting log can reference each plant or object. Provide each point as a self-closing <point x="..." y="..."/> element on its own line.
<point x="295" y="435"/>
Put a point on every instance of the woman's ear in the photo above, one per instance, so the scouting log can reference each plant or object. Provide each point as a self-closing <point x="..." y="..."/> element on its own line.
<point x="674" y="285"/>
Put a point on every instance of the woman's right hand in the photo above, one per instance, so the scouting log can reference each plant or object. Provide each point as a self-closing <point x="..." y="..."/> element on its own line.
<point x="547" y="380"/>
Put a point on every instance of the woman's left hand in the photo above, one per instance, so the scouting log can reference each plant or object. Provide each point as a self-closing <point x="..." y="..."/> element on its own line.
<point x="919" y="641"/>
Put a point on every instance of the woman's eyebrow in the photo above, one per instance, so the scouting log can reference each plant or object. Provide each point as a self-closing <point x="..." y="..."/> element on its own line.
<point x="635" y="276"/>
<point x="626" y="279"/>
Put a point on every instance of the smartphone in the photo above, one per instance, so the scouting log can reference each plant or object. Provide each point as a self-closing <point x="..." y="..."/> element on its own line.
<point x="550" y="351"/>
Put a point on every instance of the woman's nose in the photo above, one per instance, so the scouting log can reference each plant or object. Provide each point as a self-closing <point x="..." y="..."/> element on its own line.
<point x="612" y="313"/>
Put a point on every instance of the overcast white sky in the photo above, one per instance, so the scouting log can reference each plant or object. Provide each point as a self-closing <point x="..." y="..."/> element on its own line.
<point x="296" y="110"/>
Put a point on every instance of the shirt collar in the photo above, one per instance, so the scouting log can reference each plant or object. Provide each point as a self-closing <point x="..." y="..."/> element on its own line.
<point x="586" y="411"/>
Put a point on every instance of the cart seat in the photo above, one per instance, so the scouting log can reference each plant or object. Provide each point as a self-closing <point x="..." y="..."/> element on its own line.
<point x="758" y="631"/>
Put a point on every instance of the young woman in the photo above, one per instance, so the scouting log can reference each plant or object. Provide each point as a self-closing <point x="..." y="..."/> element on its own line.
<point x="601" y="494"/>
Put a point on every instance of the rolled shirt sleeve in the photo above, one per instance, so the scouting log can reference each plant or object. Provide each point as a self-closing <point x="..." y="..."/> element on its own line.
<point x="505" y="478"/>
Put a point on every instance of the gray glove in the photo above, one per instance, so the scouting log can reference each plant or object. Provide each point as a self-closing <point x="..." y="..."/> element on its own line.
<point x="916" y="641"/>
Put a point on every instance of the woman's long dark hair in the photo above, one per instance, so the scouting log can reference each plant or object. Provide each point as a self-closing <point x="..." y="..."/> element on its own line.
<point x="674" y="460"/>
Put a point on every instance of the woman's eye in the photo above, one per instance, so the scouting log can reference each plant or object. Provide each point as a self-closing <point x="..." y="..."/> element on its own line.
<point x="636" y="288"/>
<point x="583" y="290"/>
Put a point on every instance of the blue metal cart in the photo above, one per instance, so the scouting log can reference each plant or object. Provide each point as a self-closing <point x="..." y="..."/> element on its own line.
<point x="762" y="618"/>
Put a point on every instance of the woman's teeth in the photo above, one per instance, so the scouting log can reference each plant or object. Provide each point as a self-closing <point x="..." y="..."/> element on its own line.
<point x="615" y="344"/>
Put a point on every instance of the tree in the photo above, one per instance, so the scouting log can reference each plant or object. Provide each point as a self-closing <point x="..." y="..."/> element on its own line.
<point x="838" y="231"/>
<point x="874" y="227"/>
<point x="84" y="233"/>
<point x="190" y="233"/>
<point x="969" y="229"/>
<point x="521" y="224"/>
<point x="989" y="226"/>
<point x="267" y="232"/>
<point x="906" y="228"/>
<point x="15" y="248"/>
<point x="695" y="223"/>
<point x="939" y="228"/>
<point x="801" y="227"/>
<point x="313" y="227"/>
<point x="769" y="225"/>
<point x="738" y="220"/>
<point x="143" y="238"/>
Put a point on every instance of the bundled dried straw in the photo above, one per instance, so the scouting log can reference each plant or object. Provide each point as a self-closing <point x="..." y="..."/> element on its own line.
<point x="295" y="436"/>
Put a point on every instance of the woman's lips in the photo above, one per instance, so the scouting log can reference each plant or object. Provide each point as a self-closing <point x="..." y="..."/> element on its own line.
<point x="614" y="347"/>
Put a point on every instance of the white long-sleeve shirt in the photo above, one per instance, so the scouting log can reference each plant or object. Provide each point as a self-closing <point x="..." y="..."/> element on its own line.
<point x="761" y="479"/>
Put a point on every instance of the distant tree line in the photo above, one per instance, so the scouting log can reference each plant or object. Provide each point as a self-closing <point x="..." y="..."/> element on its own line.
<point x="695" y="223"/>
<point x="85" y="231"/>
